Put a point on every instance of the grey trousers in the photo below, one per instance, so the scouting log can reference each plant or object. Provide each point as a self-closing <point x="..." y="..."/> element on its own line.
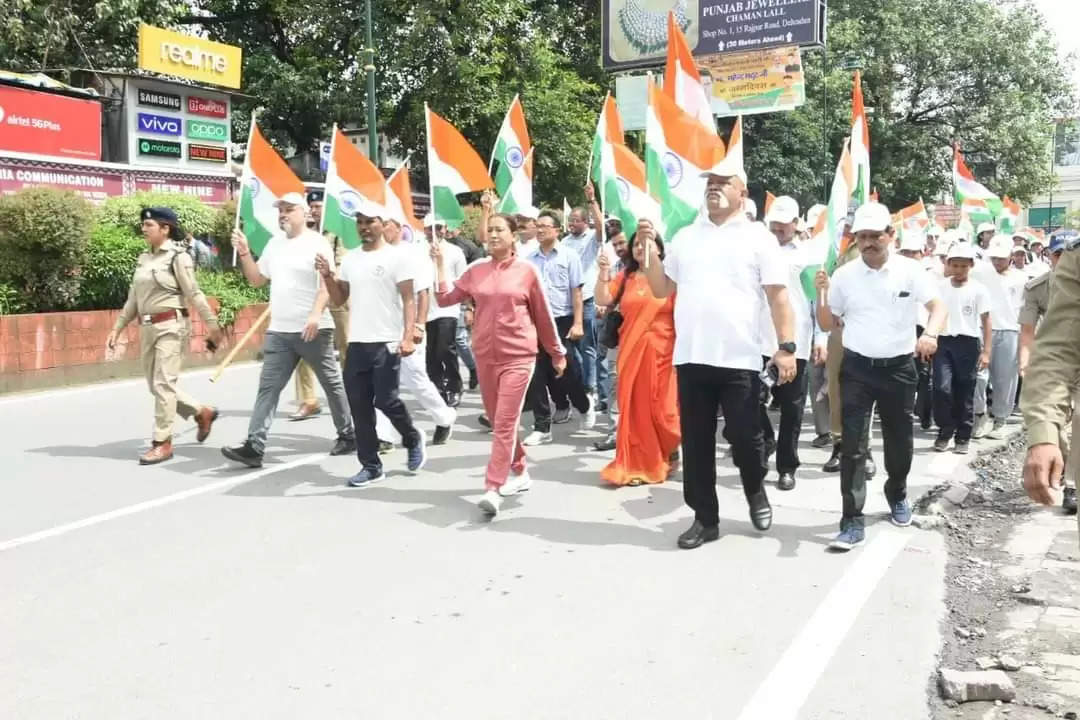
<point x="1002" y="375"/>
<point x="819" y="401"/>
<point x="281" y="353"/>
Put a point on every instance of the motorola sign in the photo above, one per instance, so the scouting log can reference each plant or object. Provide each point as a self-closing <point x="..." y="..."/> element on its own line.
<point x="159" y="124"/>
<point x="159" y="148"/>
<point x="202" y="130"/>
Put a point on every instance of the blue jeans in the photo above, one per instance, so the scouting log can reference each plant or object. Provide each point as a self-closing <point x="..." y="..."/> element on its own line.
<point x="591" y="372"/>
<point x="463" y="347"/>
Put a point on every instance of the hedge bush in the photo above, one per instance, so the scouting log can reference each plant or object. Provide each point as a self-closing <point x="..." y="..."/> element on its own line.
<point x="221" y="232"/>
<point x="11" y="302"/>
<point x="123" y="211"/>
<point x="108" y="267"/>
<point x="233" y="292"/>
<point x="43" y="235"/>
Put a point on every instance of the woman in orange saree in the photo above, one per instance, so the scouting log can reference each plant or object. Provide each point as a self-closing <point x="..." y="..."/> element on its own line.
<point x="648" y="436"/>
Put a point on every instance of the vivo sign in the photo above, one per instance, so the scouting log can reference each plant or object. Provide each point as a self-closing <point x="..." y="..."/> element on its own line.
<point x="159" y="124"/>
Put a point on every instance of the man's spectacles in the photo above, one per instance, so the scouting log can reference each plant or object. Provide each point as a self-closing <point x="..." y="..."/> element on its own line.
<point x="545" y="225"/>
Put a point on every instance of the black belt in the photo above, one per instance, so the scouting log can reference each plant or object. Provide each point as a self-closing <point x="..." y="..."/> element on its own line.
<point x="878" y="362"/>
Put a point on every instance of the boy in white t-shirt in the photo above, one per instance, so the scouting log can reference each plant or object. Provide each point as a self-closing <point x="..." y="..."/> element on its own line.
<point x="382" y="330"/>
<point x="963" y="350"/>
<point x="300" y="326"/>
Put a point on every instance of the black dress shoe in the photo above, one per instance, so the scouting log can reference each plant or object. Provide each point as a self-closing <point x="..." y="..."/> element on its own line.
<point x="484" y="421"/>
<point x="344" y="446"/>
<point x="454" y="399"/>
<point x="823" y="440"/>
<point x="473" y="380"/>
<point x="760" y="510"/>
<point x="1068" y="501"/>
<point x="871" y="467"/>
<point x="244" y="454"/>
<point x="786" y="481"/>
<point x="833" y="463"/>
<point x="698" y="535"/>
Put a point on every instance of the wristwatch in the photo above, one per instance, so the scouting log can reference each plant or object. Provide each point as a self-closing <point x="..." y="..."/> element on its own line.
<point x="788" y="347"/>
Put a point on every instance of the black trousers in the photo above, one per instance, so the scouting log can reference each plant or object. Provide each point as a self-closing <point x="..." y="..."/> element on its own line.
<point x="568" y="389"/>
<point x="924" y="395"/>
<point x="442" y="355"/>
<point x="891" y="384"/>
<point x="371" y="381"/>
<point x="955" y="369"/>
<point x="703" y="390"/>
<point x="792" y="400"/>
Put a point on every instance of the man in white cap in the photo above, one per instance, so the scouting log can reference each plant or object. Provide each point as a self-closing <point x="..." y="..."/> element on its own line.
<point x="527" y="242"/>
<point x="781" y="219"/>
<point x="441" y="354"/>
<point x="1006" y="287"/>
<point x="300" y="326"/>
<point x="876" y="299"/>
<point x="379" y="278"/>
<point x="963" y="350"/>
<point x="719" y="263"/>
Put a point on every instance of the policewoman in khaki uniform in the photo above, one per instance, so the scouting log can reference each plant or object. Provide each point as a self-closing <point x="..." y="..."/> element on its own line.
<point x="164" y="279"/>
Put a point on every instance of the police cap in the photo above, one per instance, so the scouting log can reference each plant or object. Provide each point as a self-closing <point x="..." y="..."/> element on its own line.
<point x="160" y="214"/>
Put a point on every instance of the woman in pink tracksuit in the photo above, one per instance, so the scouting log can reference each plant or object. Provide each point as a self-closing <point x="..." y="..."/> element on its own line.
<point x="511" y="315"/>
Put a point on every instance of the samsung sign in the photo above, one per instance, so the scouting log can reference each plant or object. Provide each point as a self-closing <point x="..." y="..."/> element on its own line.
<point x="159" y="124"/>
<point x="203" y="130"/>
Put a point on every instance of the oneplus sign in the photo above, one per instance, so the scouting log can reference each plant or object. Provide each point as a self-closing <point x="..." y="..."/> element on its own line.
<point x="159" y="124"/>
<point x="206" y="106"/>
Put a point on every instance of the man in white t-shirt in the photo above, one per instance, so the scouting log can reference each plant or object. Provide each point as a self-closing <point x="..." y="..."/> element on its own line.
<point x="725" y="269"/>
<point x="1006" y="287"/>
<point x="414" y="374"/>
<point x="378" y="278"/>
<point x="963" y="350"/>
<point x="876" y="299"/>
<point x="441" y="354"/>
<point x="781" y="219"/>
<point x="300" y="326"/>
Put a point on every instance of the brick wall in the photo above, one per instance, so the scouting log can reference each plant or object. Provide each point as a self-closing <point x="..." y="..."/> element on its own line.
<point x="55" y="349"/>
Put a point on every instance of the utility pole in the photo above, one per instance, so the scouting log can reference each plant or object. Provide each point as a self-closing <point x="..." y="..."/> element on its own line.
<point x="369" y="70"/>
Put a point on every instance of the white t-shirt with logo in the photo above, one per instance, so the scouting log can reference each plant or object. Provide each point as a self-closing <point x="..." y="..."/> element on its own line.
<point x="966" y="305"/>
<point x="454" y="264"/>
<point x="1006" y="294"/>
<point x="374" y="299"/>
<point x="289" y="265"/>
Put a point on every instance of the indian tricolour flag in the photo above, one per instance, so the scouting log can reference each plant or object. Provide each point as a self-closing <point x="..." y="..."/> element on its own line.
<point x="970" y="192"/>
<point x="453" y="168"/>
<point x="1009" y="216"/>
<point x="353" y="184"/>
<point x="912" y="218"/>
<point x="860" y="145"/>
<point x="266" y="178"/>
<point x="399" y="204"/>
<point x="512" y="147"/>
<point x="518" y="196"/>
<point x="619" y="173"/>
<point x="682" y="79"/>
<point x="823" y="250"/>
<point x="678" y="149"/>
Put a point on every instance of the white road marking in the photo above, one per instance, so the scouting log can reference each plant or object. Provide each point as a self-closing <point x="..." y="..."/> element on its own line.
<point x="238" y="479"/>
<point x="792" y="679"/>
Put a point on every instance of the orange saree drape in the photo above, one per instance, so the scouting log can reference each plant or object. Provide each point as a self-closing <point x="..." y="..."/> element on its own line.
<point x="648" y="412"/>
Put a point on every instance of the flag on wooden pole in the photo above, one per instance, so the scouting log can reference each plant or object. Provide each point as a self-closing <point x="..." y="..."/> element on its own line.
<point x="265" y="179"/>
<point x="353" y="185"/>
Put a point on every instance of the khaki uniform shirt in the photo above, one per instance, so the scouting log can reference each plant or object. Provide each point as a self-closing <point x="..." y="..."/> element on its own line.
<point x="1036" y="300"/>
<point x="1054" y="372"/>
<point x="163" y="279"/>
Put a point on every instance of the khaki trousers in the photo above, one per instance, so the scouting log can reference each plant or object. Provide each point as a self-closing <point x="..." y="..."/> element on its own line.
<point x="163" y="346"/>
<point x="305" y="376"/>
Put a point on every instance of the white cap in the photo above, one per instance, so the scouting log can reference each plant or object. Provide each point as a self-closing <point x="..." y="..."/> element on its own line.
<point x="985" y="227"/>
<point x="429" y="220"/>
<point x="532" y="212"/>
<point x="813" y="214"/>
<point x="913" y="241"/>
<point x="784" y="209"/>
<point x="871" y="216"/>
<point x="942" y="248"/>
<point x="1001" y="246"/>
<point x="961" y="250"/>
<point x="934" y="230"/>
<point x="291" y="198"/>
<point x="750" y="208"/>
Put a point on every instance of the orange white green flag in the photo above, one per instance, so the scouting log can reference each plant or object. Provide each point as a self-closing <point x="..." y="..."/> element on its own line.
<point x="1009" y="216"/>
<point x="678" y="149"/>
<point x="454" y="168"/>
<point x="266" y="178"/>
<point x="970" y="192"/>
<point x="399" y="204"/>
<point x="353" y="184"/>
<point x="824" y="248"/>
<point x="512" y="147"/>
<point x="860" y="145"/>
<point x="618" y="173"/>
<point x="518" y="196"/>
<point x="682" y="79"/>
<point x="912" y="218"/>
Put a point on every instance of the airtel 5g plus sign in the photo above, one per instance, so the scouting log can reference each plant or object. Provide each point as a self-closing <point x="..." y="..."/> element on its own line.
<point x="204" y="130"/>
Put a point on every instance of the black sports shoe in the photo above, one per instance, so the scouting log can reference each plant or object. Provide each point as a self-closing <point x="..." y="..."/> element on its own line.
<point x="344" y="446"/>
<point x="245" y="454"/>
<point x="1068" y="501"/>
<point x="385" y="447"/>
<point x="442" y="434"/>
<point x="832" y="465"/>
<point x="485" y="421"/>
<point x="474" y="381"/>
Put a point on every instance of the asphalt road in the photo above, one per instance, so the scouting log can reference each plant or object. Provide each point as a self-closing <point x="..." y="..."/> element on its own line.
<point x="197" y="590"/>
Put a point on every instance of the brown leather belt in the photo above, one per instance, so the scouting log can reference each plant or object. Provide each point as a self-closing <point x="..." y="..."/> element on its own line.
<point x="162" y="316"/>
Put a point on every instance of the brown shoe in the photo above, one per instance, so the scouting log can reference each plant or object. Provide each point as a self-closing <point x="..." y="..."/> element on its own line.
<point x="161" y="452"/>
<point x="204" y="419"/>
<point x="307" y="410"/>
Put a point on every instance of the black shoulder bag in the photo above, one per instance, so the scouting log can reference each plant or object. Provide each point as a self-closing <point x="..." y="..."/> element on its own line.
<point x="613" y="321"/>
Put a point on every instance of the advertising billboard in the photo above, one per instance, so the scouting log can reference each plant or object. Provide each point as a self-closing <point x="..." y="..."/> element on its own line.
<point x="94" y="185"/>
<point x="172" y="53"/>
<point x="203" y="130"/>
<point x="634" y="32"/>
<point x="49" y="124"/>
<point x="159" y="124"/>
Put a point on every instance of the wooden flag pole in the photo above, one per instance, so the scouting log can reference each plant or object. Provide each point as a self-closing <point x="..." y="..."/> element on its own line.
<point x="243" y="341"/>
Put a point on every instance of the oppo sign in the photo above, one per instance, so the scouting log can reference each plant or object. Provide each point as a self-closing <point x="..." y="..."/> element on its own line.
<point x="202" y="130"/>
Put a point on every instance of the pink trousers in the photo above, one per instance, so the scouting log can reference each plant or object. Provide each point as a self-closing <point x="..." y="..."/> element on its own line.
<point x="502" y="387"/>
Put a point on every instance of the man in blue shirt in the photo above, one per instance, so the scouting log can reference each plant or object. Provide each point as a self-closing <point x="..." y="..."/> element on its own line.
<point x="561" y="276"/>
<point x="587" y="242"/>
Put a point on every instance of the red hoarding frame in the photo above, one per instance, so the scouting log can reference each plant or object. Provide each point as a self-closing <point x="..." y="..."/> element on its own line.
<point x="44" y="123"/>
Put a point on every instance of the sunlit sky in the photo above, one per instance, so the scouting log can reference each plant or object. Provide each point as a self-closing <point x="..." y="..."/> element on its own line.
<point x="1064" y="18"/>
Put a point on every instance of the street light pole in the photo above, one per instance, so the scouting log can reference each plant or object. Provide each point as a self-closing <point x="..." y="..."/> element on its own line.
<point x="1053" y="159"/>
<point x="369" y="70"/>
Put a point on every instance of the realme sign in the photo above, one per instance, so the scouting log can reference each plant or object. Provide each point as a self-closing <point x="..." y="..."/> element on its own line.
<point x="173" y="53"/>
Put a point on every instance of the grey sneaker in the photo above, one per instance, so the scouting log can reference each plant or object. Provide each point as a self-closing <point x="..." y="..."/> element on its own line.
<point x="999" y="432"/>
<point x="848" y="539"/>
<point x="983" y="425"/>
<point x="365" y="478"/>
<point x="417" y="455"/>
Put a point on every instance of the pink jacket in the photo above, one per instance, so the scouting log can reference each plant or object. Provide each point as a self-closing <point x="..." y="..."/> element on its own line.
<point x="511" y="310"/>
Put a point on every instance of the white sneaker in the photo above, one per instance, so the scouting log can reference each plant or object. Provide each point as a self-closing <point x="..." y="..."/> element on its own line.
<point x="490" y="503"/>
<point x="588" y="420"/>
<point x="516" y="484"/>
<point x="1000" y="432"/>
<point x="537" y="438"/>
<point x="983" y="424"/>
